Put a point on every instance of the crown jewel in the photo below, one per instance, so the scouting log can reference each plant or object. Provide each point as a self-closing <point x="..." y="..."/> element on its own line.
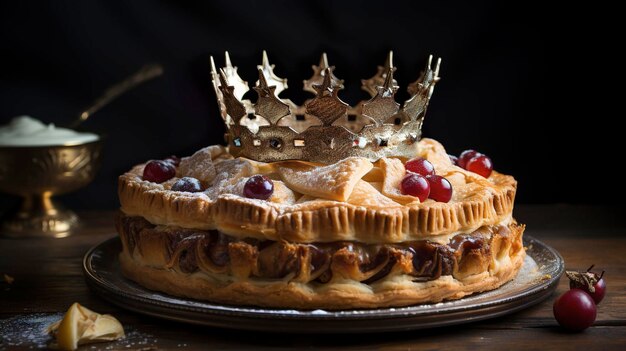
<point x="324" y="129"/>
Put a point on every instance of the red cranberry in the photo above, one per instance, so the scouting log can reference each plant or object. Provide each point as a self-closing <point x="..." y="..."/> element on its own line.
<point x="588" y="281"/>
<point x="158" y="171"/>
<point x="466" y="156"/>
<point x="440" y="188"/>
<point x="420" y="166"/>
<point x="258" y="187"/>
<point x="599" y="291"/>
<point x="173" y="160"/>
<point x="415" y="185"/>
<point x="480" y="165"/>
<point x="187" y="184"/>
<point x="575" y="310"/>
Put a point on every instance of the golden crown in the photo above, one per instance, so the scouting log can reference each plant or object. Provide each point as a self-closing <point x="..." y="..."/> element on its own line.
<point x="324" y="129"/>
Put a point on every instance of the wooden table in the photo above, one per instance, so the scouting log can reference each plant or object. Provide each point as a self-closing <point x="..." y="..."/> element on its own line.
<point x="48" y="279"/>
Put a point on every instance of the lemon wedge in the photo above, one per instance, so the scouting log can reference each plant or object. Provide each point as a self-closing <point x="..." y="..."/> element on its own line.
<point x="81" y="325"/>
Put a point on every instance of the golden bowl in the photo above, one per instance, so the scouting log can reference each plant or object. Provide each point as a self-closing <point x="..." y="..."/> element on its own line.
<point x="36" y="173"/>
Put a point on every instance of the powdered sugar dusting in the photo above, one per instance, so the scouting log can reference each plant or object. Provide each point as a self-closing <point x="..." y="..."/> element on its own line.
<point x="30" y="332"/>
<point x="27" y="330"/>
<point x="199" y="165"/>
<point x="229" y="177"/>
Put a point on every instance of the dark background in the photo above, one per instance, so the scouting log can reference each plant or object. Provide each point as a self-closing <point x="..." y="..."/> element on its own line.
<point x="512" y="85"/>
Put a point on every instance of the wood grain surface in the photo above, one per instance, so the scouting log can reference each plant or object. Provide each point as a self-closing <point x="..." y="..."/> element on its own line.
<point x="48" y="279"/>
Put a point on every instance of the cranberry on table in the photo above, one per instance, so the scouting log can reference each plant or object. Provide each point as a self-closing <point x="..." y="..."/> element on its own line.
<point x="575" y="310"/>
<point x="588" y="281"/>
<point x="258" y="187"/>
<point x="415" y="185"/>
<point x="187" y="184"/>
<point x="599" y="291"/>
<point x="480" y="165"/>
<point x="466" y="156"/>
<point x="159" y="171"/>
<point x="173" y="159"/>
<point x="420" y="166"/>
<point x="440" y="188"/>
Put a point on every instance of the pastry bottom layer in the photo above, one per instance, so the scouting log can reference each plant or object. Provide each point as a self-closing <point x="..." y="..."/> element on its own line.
<point x="396" y="292"/>
<point x="500" y="259"/>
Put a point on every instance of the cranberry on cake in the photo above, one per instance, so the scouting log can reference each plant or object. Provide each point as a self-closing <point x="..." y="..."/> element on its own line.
<point x="320" y="206"/>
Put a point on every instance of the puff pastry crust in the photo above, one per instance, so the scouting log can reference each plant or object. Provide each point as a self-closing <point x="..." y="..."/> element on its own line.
<point x="331" y="236"/>
<point x="207" y="265"/>
<point x="293" y="216"/>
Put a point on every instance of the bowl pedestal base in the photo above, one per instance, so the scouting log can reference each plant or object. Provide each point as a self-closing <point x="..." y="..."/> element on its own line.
<point x="40" y="216"/>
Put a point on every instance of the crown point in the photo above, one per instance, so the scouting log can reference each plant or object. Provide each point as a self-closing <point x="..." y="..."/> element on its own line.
<point x="224" y="87"/>
<point x="327" y="75"/>
<point x="223" y="80"/>
<point x="227" y="59"/>
<point x="389" y="62"/>
<point x="324" y="61"/>
<point x="240" y="86"/>
<point x="265" y="62"/>
<point x="213" y="69"/>
<point x="268" y="105"/>
<point x="437" y="67"/>
<point x="378" y="80"/>
<point x="262" y="81"/>
<point x="326" y="83"/>
<point x="388" y="84"/>
<point x="319" y="72"/>
<point x="218" y="93"/>
<point x="262" y="88"/>
<point x="272" y="79"/>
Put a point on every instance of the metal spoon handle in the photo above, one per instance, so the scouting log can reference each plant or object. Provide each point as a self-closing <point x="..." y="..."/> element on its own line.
<point x="147" y="72"/>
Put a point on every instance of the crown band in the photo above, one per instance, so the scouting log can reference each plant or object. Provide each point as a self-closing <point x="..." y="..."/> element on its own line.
<point x="325" y="129"/>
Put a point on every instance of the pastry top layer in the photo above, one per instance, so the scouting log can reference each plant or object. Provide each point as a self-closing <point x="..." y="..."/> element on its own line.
<point x="353" y="200"/>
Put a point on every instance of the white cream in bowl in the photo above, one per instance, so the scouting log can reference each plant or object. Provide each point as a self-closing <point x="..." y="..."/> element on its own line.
<point x="28" y="131"/>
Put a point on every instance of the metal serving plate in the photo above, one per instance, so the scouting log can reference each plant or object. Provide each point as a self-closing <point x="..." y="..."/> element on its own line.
<point x="536" y="281"/>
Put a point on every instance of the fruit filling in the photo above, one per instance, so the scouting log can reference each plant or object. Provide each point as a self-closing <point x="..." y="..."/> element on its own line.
<point x="212" y="251"/>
